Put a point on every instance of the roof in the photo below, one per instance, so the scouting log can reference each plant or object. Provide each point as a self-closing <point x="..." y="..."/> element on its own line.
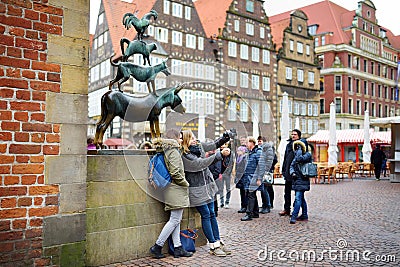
<point x="115" y="10"/>
<point x="212" y="14"/>
<point x="329" y="16"/>
<point x="354" y="136"/>
<point x="117" y="142"/>
<point x="385" y="122"/>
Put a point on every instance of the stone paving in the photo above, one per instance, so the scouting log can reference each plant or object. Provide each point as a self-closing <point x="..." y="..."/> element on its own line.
<point x="346" y="220"/>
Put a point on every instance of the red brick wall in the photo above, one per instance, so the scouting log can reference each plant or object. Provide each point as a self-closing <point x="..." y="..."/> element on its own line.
<point x="25" y="137"/>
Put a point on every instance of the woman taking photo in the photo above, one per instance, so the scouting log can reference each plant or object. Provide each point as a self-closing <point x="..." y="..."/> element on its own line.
<point x="202" y="187"/>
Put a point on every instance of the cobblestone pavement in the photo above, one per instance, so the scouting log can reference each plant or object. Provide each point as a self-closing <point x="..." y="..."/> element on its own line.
<point x="350" y="218"/>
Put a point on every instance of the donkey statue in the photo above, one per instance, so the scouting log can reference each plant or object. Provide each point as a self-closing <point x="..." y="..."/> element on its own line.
<point x="137" y="109"/>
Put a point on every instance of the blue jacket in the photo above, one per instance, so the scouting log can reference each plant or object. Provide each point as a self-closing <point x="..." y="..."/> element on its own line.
<point x="301" y="155"/>
<point x="252" y="159"/>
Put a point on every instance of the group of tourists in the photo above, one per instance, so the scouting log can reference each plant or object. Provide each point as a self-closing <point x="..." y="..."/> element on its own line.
<point x="202" y="171"/>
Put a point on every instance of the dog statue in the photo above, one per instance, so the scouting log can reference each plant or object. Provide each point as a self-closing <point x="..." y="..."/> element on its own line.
<point x="136" y="47"/>
<point x="141" y="74"/>
<point x="137" y="109"/>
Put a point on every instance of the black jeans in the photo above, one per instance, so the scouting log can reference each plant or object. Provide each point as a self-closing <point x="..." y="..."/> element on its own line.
<point x="377" y="172"/>
<point x="288" y="196"/>
<point x="243" y="198"/>
<point x="252" y="206"/>
<point x="270" y="190"/>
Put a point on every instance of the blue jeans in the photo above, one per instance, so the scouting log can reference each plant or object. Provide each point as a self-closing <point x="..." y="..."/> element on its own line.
<point x="209" y="222"/>
<point x="299" y="201"/>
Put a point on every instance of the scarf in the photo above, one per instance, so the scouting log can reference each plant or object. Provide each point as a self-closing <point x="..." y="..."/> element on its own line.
<point x="195" y="150"/>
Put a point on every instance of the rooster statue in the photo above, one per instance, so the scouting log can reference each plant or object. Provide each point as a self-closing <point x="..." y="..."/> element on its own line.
<point x="140" y="25"/>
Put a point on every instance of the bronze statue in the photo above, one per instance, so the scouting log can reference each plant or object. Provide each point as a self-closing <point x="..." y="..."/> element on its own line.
<point x="136" y="47"/>
<point x="140" y="25"/>
<point x="141" y="74"/>
<point x="137" y="109"/>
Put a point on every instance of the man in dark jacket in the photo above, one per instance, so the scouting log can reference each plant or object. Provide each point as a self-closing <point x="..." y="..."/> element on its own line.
<point x="289" y="155"/>
<point x="377" y="158"/>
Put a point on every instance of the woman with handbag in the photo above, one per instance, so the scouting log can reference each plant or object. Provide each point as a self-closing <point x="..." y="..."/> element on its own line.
<point x="301" y="183"/>
<point x="202" y="187"/>
<point x="175" y="195"/>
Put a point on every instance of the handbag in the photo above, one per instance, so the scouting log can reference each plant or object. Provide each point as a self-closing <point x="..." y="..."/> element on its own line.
<point x="308" y="169"/>
<point x="268" y="178"/>
<point x="188" y="237"/>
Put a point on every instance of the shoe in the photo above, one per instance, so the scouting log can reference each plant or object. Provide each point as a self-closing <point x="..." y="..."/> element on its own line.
<point x="292" y="221"/>
<point x="255" y="216"/>
<point x="226" y="206"/>
<point x="225" y="249"/>
<point x="246" y="218"/>
<point x="302" y="218"/>
<point x="156" y="251"/>
<point x="266" y="210"/>
<point x="181" y="252"/>
<point x="242" y="210"/>
<point x="221" y="206"/>
<point x="377" y="179"/>
<point x="284" y="213"/>
<point x="217" y="252"/>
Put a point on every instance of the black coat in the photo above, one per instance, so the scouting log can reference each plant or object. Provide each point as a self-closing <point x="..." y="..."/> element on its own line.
<point x="289" y="156"/>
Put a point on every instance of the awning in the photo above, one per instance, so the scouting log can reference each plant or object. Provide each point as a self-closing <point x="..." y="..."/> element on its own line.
<point x="385" y="122"/>
<point x="354" y="136"/>
<point x="117" y="142"/>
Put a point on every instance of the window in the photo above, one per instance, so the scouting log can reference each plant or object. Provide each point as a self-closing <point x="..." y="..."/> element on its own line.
<point x="315" y="110"/>
<point x="100" y="40"/>
<point x="373" y="110"/>
<point x="311" y="77"/>
<point x="166" y="6"/>
<point x="188" y="13"/>
<point x="358" y="107"/>
<point x="249" y="29"/>
<point x="236" y="25"/>
<point x="255" y="81"/>
<point x="232" y="110"/>
<point x="291" y="45"/>
<point x="249" y="5"/>
<point x="296" y="108"/>
<point x="198" y="70"/>
<point x="200" y="43"/>
<point x="303" y="109"/>
<point x="322" y="106"/>
<point x="350" y="107"/>
<point x="288" y="73"/>
<point x="161" y="35"/>
<point x="357" y="86"/>
<point x="95" y="43"/>
<point x="244" y="80"/>
<point x="188" y="69"/>
<point x="307" y="50"/>
<point x="232" y="78"/>
<point x="190" y="41"/>
<point x="262" y="32"/>
<point x="266" y="56"/>
<point x="372" y="89"/>
<point x="176" y="66"/>
<point x="244" y="51"/>
<point x="209" y="102"/>
<point x="310" y="126"/>
<point x="322" y="40"/>
<point x="244" y="111"/>
<point x="349" y="61"/>
<point x="187" y="100"/>
<point x="266" y="84"/>
<point x="177" y="10"/>
<point x="338" y="104"/>
<point x="338" y="83"/>
<point x="312" y="29"/>
<point x="101" y="18"/>
<point x="365" y="87"/>
<point x="232" y="49"/>
<point x="266" y="113"/>
<point x="176" y="38"/>
<point x="255" y="54"/>
<point x="349" y="84"/>
<point x="300" y="76"/>
<point x="299" y="48"/>
<point x="316" y="42"/>
<point x="372" y="67"/>
<point x="365" y="65"/>
<point x="210" y="72"/>
<point x="255" y="111"/>
<point x="310" y="109"/>
<point x="150" y="30"/>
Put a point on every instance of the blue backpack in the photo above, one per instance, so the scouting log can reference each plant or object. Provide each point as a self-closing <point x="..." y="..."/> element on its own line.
<point x="159" y="176"/>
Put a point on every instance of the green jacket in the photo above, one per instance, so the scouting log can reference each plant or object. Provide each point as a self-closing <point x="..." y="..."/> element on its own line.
<point x="176" y="195"/>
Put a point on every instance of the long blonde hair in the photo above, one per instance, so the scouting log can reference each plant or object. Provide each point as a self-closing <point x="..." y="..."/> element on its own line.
<point x="186" y="139"/>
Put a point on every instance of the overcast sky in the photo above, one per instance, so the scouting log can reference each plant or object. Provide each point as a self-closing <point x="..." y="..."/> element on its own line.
<point x="387" y="13"/>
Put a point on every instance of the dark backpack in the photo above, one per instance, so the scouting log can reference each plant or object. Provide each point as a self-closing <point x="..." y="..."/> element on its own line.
<point x="159" y="176"/>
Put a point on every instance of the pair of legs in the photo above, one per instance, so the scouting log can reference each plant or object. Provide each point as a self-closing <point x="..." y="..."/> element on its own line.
<point x="252" y="205"/>
<point x="299" y="202"/>
<point x="271" y="194"/>
<point x="288" y="196"/>
<point x="209" y="222"/>
<point x="377" y="171"/>
<point x="225" y="182"/>
<point x="173" y="226"/>
<point x="243" y="199"/>
<point x="266" y="200"/>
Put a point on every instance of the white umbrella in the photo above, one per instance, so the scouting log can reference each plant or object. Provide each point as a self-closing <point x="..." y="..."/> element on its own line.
<point x="367" y="149"/>
<point x="201" y="132"/>
<point x="284" y="128"/>
<point x="332" y="149"/>
<point x="297" y="124"/>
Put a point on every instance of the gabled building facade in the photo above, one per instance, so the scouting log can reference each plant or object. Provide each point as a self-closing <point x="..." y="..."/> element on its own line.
<point x="298" y="72"/>
<point x="241" y="37"/>
<point x="358" y="60"/>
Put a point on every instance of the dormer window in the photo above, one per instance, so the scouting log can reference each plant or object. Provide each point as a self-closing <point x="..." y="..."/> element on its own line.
<point x="312" y="29"/>
<point x="382" y="33"/>
<point x="250" y="6"/>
